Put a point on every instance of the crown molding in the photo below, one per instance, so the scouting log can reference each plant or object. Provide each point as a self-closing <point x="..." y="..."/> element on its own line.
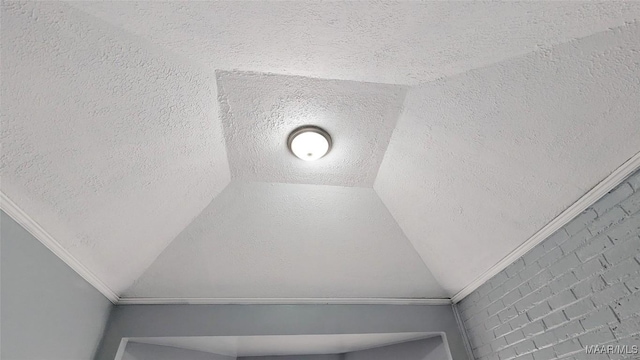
<point x="596" y="193"/>
<point x="17" y="214"/>
<point x="283" y="301"/>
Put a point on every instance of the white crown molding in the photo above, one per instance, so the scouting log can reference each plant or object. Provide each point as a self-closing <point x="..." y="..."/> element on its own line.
<point x="283" y="301"/>
<point x="9" y="207"/>
<point x="588" y="199"/>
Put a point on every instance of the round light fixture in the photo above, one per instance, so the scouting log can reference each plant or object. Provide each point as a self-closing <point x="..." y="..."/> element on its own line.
<point x="309" y="143"/>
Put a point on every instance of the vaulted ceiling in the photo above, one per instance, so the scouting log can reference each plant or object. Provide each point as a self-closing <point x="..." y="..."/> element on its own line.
<point x="149" y="138"/>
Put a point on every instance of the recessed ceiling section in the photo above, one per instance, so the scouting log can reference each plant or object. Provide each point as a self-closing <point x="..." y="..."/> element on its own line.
<point x="481" y="161"/>
<point x="283" y="345"/>
<point x="260" y="240"/>
<point x="259" y="111"/>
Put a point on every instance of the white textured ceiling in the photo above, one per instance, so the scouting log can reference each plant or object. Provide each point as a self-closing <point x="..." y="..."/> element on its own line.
<point x="290" y="241"/>
<point x="259" y="111"/>
<point x="148" y="138"/>
<point x="285" y="344"/>
<point x="111" y="144"/>
<point x="400" y="42"/>
<point x="480" y="161"/>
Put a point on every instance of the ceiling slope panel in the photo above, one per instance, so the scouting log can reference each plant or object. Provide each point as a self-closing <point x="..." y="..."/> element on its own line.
<point x="261" y="240"/>
<point x="479" y="162"/>
<point x="109" y="143"/>
<point x="258" y="111"/>
<point x="386" y="42"/>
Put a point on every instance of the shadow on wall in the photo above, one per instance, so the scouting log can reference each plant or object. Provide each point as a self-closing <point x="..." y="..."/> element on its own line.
<point x="138" y="351"/>
<point x="426" y="349"/>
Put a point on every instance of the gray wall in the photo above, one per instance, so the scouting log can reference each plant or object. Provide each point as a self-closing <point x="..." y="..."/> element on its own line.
<point x="427" y="349"/>
<point x="136" y="351"/>
<point x="48" y="311"/>
<point x="237" y="320"/>
<point x="579" y="287"/>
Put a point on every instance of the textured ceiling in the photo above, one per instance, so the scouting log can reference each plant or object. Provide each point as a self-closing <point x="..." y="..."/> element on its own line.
<point x="496" y="153"/>
<point x="111" y="144"/>
<point x="259" y="111"/>
<point x="285" y="344"/>
<point x="148" y="138"/>
<point x="290" y="241"/>
<point x="400" y="42"/>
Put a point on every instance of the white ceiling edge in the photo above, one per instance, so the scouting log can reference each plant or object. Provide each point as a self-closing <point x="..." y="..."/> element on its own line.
<point x="16" y="213"/>
<point x="282" y="301"/>
<point x="603" y="187"/>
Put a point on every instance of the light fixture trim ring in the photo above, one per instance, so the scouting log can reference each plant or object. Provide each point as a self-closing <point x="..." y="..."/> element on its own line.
<point x="309" y="128"/>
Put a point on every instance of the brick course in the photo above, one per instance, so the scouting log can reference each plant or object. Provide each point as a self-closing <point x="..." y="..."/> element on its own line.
<point x="579" y="287"/>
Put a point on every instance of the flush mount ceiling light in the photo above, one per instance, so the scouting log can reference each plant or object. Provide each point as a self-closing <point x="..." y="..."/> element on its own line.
<point x="309" y="143"/>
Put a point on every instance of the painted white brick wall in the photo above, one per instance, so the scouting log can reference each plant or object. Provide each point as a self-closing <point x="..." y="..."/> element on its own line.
<point x="579" y="287"/>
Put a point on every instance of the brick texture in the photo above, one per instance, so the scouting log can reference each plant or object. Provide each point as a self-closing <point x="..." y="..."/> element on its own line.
<point x="579" y="287"/>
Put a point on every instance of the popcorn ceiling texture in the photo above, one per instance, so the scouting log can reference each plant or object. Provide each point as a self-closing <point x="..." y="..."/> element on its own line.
<point x="580" y="287"/>
<point x="404" y="42"/>
<point x="479" y="162"/>
<point x="124" y="122"/>
<point x="259" y="111"/>
<point x="111" y="144"/>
